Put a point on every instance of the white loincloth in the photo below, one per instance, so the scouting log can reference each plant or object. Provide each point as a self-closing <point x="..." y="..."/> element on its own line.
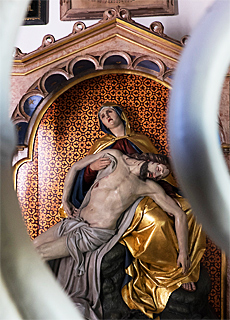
<point x="79" y="274"/>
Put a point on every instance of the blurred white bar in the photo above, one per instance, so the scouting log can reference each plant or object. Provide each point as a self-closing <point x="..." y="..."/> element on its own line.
<point x="27" y="288"/>
<point x="193" y="131"/>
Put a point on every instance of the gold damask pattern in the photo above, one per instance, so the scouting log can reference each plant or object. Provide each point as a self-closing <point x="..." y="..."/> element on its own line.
<point x="67" y="131"/>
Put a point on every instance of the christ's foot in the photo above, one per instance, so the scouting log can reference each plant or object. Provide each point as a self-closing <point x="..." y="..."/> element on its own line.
<point x="190" y="286"/>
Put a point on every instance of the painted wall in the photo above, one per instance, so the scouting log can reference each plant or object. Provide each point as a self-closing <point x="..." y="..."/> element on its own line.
<point x="190" y="12"/>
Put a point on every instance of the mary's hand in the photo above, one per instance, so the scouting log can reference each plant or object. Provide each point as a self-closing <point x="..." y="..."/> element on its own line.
<point x="100" y="164"/>
<point x="184" y="261"/>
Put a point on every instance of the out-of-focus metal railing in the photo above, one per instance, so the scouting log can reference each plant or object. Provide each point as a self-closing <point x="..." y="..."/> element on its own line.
<point x="193" y="130"/>
<point x="27" y="288"/>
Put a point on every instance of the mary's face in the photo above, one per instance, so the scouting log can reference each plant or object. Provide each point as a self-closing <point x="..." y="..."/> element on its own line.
<point x="110" y="118"/>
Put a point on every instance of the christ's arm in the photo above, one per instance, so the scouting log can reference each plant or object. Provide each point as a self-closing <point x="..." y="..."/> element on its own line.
<point x="73" y="172"/>
<point x="181" y="225"/>
<point x="70" y="178"/>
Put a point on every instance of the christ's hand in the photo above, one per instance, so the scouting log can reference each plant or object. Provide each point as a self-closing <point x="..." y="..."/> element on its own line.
<point x="184" y="261"/>
<point x="69" y="208"/>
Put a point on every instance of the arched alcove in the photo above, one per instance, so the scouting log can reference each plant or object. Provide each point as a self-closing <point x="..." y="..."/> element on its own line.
<point x="69" y="126"/>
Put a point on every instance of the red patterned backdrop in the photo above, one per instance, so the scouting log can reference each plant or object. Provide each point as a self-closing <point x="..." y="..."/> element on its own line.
<point x="67" y="131"/>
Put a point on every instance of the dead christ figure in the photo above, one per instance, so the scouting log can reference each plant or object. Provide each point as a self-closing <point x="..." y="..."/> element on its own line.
<point x="100" y="219"/>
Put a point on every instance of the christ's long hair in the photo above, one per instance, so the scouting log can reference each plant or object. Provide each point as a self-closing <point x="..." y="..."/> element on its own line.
<point x="159" y="158"/>
<point x="147" y="157"/>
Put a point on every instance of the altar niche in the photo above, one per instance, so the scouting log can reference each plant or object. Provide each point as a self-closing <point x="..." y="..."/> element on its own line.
<point x="68" y="129"/>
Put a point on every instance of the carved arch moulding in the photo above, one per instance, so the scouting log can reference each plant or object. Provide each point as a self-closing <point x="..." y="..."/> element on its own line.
<point x="83" y="65"/>
<point x="115" y="30"/>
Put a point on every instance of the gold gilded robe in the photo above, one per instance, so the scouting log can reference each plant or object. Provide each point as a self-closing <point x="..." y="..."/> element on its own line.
<point x="152" y="241"/>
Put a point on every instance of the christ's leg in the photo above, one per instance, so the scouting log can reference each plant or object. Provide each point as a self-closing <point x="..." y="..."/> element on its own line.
<point x="47" y="236"/>
<point x="53" y="249"/>
<point x="190" y="286"/>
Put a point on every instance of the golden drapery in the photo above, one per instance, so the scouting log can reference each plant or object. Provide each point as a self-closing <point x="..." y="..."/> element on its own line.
<point x="152" y="241"/>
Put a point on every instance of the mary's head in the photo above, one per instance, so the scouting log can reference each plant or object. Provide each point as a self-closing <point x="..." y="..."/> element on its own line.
<point x="112" y="119"/>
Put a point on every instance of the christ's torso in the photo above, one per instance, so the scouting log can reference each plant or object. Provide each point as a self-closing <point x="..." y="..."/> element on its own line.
<point x="111" y="196"/>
